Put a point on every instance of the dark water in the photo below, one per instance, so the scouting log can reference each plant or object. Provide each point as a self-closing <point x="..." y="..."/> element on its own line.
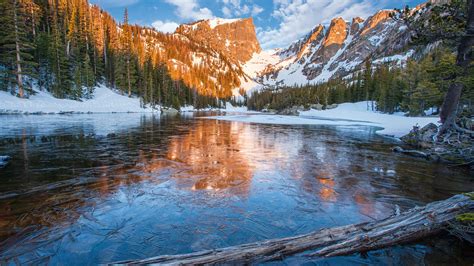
<point x="89" y="189"/>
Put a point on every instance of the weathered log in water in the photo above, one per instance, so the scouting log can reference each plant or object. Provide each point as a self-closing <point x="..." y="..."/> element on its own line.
<point x="411" y="225"/>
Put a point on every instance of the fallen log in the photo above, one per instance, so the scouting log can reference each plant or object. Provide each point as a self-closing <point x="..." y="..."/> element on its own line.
<point x="408" y="226"/>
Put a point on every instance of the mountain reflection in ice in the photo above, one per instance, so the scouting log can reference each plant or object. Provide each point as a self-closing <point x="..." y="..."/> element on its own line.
<point x="80" y="194"/>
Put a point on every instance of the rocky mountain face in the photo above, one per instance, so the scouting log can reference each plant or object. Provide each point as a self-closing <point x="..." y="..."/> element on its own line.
<point x="340" y="48"/>
<point x="235" y="38"/>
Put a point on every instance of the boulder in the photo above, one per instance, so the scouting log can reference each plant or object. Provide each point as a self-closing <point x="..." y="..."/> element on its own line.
<point x="421" y="137"/>
<point x="317" y="106"/>
<point x="290" y="111"/>
<point x="331" y="106"/>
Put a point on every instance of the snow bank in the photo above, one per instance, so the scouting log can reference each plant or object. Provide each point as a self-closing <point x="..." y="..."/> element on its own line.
<point x="104" y="101"/>
<point x="347" y="114"/>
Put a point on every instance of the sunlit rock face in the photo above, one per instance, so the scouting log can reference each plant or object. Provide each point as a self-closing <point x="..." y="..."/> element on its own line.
<point x="316" y="35"/>
<point x="376" y="20"/>
<point x="305" y="45"/>
<point x="236" y="38"/>
<point x="337" y="33"/>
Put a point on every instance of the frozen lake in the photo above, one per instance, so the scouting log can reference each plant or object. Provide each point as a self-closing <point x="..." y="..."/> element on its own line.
<point x="88" y="189"/>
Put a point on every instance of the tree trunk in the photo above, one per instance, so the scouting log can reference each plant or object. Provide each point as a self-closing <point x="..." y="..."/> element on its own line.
<point x="105" y="47"/>
<point x="451" y="100"/>
<point x="33" y="22"/>
<point x="450" y="106"/>
<point x="128" y="78"/>
<point x="68" y="48"/>
<point x="408" y="226"/>
<point x="19" y="77"/>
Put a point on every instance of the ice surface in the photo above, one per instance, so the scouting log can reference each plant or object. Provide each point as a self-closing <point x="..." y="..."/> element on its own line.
<point x="346" y="114"/>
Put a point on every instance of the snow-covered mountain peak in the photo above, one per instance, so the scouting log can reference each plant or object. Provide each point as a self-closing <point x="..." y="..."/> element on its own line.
<point x="339" y="49"/>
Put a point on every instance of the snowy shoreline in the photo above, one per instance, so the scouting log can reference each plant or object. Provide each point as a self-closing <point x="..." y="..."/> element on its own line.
<point x="346" y="114"/>
<point x="105" y="101"/>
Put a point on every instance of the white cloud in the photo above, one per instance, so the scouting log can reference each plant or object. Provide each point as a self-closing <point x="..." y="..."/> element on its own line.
<point x="256" y="10"/>
<point x="165" y="26"/>
<point x="298" y="17"/>
<point x="190" y="9"/>
<point x="227" y="12"/>
<point x="238" y="8"/>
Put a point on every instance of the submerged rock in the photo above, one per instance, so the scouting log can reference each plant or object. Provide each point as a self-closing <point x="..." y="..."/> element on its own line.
<point x="4" y="161"/>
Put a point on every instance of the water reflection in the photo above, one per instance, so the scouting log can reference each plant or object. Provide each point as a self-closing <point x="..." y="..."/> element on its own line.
<point x="212" y="155"/>
<point x="165" y="186"/>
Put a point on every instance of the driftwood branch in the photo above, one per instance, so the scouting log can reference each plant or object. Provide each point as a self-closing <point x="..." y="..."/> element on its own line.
<point x="414" y="153"/>
<point x="408" y="226"/>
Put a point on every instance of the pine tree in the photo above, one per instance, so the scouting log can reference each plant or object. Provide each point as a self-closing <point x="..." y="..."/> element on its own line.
<point x="127" y="41"/>
<point x="58" y="64"/>
<point x="88" y="79"/>
<point x="367" y="82"/>
<point x="17" y="48"/>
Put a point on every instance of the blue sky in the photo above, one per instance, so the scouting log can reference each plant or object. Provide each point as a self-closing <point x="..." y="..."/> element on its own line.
<point x="278" y="22"/>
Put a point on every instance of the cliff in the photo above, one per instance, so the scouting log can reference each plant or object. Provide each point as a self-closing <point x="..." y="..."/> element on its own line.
<point x="236" y="38"/>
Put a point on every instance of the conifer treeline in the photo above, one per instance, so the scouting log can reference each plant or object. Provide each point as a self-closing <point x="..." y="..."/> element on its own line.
<point x="414" y="88"/>
<point x="67" y="47"/>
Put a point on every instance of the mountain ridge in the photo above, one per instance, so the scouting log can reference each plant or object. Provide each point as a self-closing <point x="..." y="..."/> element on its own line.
<point x="335" y="50"/>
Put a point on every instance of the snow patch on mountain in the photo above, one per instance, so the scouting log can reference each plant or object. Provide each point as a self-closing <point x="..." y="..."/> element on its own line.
<point x="327" y="73"/>
<point x="259" y="62"/>
<point x="253" y="68"/>
<point x="398" y="58"/>
<point x="220" y="21"/>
